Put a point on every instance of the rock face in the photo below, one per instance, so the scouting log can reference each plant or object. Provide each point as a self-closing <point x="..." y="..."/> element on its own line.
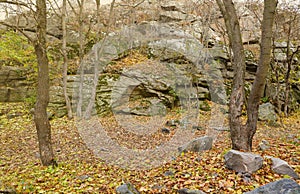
<point x="150" y="90"/>
<point x="180" y="28"/>
<point x="127" y="188"/>
<point x="197" y="145"/>
<point x="266" y="112"/>
<point x="14" y="86"/>
<point x="282" y="167"/>
<point x="242" y="161"/>
<point x="283" y="186"/>
<point x="163" y="81"/>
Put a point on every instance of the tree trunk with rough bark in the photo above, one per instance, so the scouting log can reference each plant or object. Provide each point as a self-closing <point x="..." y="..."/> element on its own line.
<point x="40" y="114"/>
<point x="263" y="68"/>
<point x="237" y="96"/>
<point x="242" y="135"/>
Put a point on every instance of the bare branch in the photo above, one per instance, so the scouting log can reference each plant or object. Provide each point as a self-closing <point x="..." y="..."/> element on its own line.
<point x="73" y="9"/>
<point x="18" y="3"/>
<point x="17" y="28"/>
<point x="53" y="8"/>
<point x="133" y="6"/>
<point x="23" y="31"/>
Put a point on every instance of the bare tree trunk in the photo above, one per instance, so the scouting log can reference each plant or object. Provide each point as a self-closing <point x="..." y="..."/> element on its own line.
<point x="81" y="68"/>
<point x="276" y="69"/>
<point x="237" y="96"/>
<point x="65" y="57"/>
<point x="263" y="68"/>
<point x="242" y="135"/>
<point x="40" y="115"/>
<point x="98" y="14"/>
<point x="288" y="65"/>
<point x="90" y="106"/>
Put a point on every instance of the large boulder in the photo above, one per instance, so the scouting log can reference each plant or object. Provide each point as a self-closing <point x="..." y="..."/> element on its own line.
<point x="283" y="186"/>
<point x="282" y="167"/>
<point x="266" y="112"/>
<point x="243" y="161"/>
<point x="197" y="145"/>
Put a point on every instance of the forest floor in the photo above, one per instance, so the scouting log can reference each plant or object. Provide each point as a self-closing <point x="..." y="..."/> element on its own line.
<point x="79" y="171"/>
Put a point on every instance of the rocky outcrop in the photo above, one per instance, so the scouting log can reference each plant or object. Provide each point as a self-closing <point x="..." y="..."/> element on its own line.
<point x="181" y="69"/>
<point x="161" y="82"/>
<point x="286" y="186"/>
<point x="174" y="39"/>
<point x="14" y="86"/>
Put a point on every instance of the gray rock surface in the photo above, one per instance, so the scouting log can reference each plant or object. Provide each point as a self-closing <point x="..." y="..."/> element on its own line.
<point x="188" y="191"/>
<point x="264" y="145"/>
<point x="14" y="86"/>
<point x="283" y="186"/>
<point x="243" y="161"/>
<point x="282" y="167"/>
<point x="197" y="145"/>
<point x="179" y="41"/>
<point x="266" y="112"/>
<point x="127" y="188"/>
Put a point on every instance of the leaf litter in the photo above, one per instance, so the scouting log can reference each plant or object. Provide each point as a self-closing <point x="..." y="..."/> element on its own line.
<point x="79" y="171"/>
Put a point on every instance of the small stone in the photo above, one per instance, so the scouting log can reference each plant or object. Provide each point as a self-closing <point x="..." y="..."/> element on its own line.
<point x="172" y="123"/>
<point x="126" y="188"/>
<point x="264" y="145"/>
<point x="169" y="173"/>
<point x="266" y="112"/>
<point x="199" y="128"/>
<point x="165" y="130"/>
<point x="197" y="145"/>
<point x="246" y="176"/>
<point x="188" y="191"/>
<point x="83" y="177"/>
<point x="157" y="187"/>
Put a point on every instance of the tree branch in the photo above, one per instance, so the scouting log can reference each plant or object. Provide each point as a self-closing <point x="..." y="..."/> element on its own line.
<point x="17" y="28"/>
<point x="18" y="3"/>
<point x="23" y="30"/>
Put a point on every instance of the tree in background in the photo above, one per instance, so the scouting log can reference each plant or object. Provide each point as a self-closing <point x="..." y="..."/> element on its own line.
<point x="242" y="134"/>
<point x="65" y="57"/>
<point x="288" y="29"/>
<point x="90" y="106"/>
